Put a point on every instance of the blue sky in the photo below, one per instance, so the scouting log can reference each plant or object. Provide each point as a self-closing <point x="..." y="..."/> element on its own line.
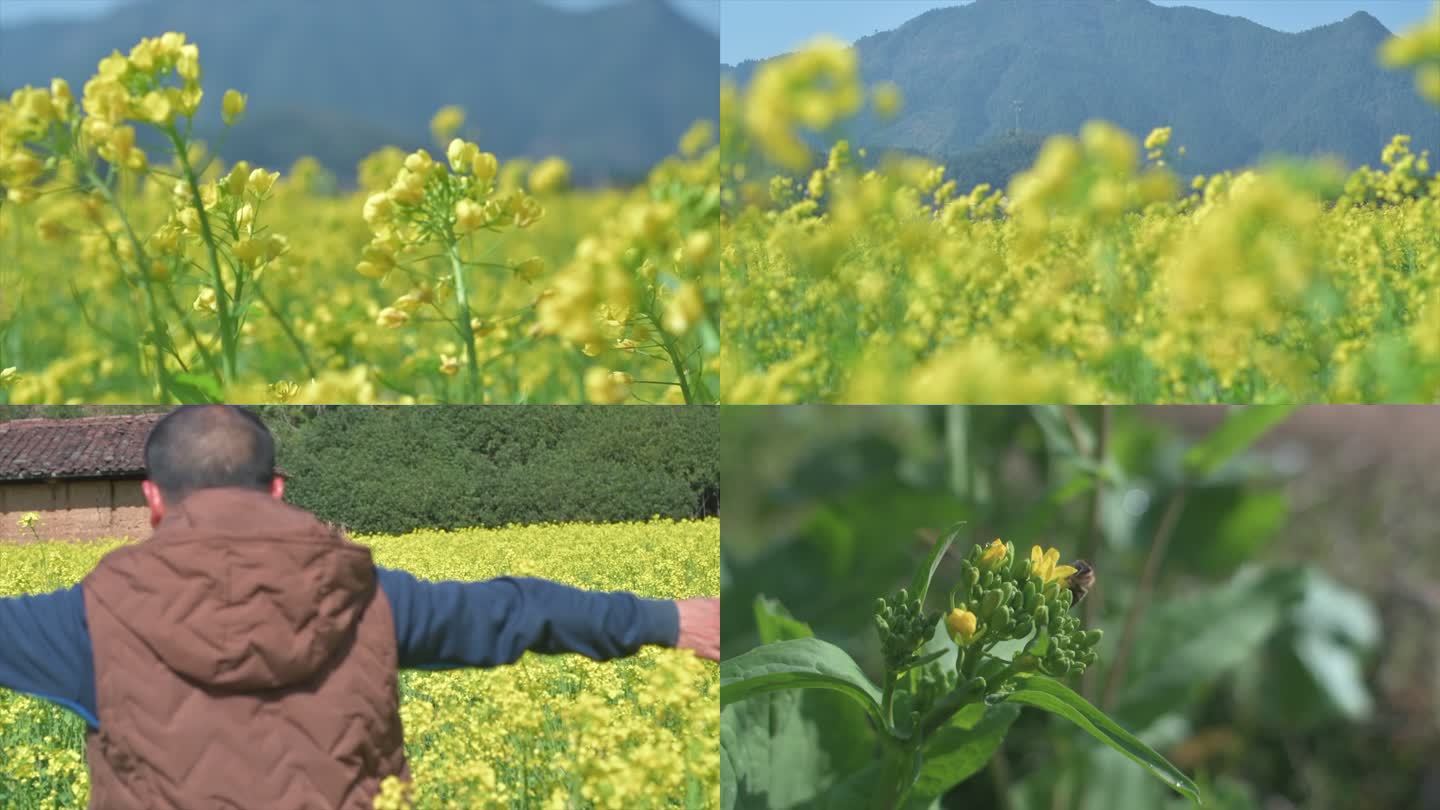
<point x="753" y="29"/>
<point x="13" y="12"/>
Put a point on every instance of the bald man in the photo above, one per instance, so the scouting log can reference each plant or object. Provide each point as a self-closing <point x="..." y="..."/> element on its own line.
<point x="246" y="655"/>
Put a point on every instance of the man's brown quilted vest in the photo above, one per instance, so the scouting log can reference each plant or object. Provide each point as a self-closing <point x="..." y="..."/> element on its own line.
<point x="244" y="658"/>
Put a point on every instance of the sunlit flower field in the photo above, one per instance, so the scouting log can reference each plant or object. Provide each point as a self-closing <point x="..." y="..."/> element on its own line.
<point x="447" y="276"/>
<point x="547" y="732"/>
<point x="1098" y="275"/>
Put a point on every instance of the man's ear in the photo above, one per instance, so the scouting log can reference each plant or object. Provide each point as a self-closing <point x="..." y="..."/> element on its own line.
<point x="154" y="500"/>
<point x="277" y="488"/>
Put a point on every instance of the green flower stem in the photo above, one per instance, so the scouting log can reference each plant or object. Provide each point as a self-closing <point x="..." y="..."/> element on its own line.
<point x="679" y="365"/>
<point x="289" y="332"/>
<point x="467" y="332"/>
<point x="228" y="337"/>
<point x="155" y="323"/>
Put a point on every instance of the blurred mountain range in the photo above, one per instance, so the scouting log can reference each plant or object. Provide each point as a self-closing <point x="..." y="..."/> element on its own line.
<point x="610" y="88"/>
<point x="1233" y="90"/>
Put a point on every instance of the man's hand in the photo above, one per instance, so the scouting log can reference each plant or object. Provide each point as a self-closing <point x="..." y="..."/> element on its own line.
<point x="700" y="627"/>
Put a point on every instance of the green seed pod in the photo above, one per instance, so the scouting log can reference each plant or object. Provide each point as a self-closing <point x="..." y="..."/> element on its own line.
<point x="883" y="625"/>
<point x="1066" y="598"/>
<point x="1042" y="615"/>
<point x="969" y="575"/>
<point x="915" y="606"/>
<point x="1062" y="668"/>
<point x="880" y="606"/>
<point x="1092" y="637"/>
<point x="1051" y="590"/>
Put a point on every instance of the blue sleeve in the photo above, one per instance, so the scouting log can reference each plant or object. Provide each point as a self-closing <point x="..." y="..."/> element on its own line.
<point x="45" y="650"/>
<point x="441" y="625"/>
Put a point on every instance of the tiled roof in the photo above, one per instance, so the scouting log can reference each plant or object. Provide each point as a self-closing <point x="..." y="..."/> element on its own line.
<point x="89" y="447"/>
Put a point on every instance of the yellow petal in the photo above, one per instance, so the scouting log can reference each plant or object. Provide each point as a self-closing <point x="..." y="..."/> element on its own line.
<point x="1062" y="573"/>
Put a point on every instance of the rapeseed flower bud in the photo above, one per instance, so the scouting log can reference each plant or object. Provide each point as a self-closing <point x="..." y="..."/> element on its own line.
<point x="461" y="155"/>
<point x="261" y="181"/>
<point x="232" y="106"/>
<point x="392" y="318"/>
<point x="469" y="216"/>
<point x="484" y="166"/>
<point x="994" y="555"/>
<point x="234" y="182"/>
<point x="549" y="175"/>
<point x="962" y="625"/>
<point x="156" y="108"/>
<point x="446" y="122"/>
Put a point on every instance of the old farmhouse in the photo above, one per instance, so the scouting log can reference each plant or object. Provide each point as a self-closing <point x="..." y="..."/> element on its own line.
<point x="80" y="477"/>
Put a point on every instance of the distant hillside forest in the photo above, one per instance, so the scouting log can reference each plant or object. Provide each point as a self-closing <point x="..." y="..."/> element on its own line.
<point x="1234" y="91"/>
<point x="610" y="89"/>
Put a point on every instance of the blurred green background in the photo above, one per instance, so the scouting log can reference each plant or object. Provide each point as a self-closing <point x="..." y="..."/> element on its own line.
<point x="1269" y="580"/>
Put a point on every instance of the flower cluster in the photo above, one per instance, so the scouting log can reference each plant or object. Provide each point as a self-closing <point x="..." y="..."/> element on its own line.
<point x="1004" y="597"/>
<point x="1097" y="275"/>
<point x="644" y="285"/>
<point x="903" y="626"/>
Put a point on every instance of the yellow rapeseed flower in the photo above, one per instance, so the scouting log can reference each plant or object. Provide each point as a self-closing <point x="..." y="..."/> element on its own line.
<point x="1043" y="565"/>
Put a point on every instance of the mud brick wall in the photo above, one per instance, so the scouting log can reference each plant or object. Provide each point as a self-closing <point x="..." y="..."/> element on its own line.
<point x="74" y="510"/>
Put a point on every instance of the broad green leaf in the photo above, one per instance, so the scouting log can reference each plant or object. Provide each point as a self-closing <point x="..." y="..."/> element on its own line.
<point x="1223" y="527"/>
<point x="1241" y="429"/>
<point x="776" y="623"/>
<point x="920" y="585"/>
<point x="960" y="749"/>
<point x="786" y="748"/>
<point x="1187" y="643"/>
<point x="805" y="663"/>
<point x="1056" y="698"/>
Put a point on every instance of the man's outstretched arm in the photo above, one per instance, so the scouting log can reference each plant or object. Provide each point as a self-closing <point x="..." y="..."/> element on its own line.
<point x="45" y="649"/>
<point x="479" y="624"/>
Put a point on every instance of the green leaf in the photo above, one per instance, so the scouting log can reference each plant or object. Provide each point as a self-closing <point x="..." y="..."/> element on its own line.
<point x="1188" y="642"/>
<point x="960" y="749"/>
<point x="194" y="389"/>
<point x="776" y="623"/>
<point x="1241" y="429"/>
<point x="1056" y="698"/>
<point x="805" y="663"/>
<point x="786" y="748"/>
<point x="920" y="585"/>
